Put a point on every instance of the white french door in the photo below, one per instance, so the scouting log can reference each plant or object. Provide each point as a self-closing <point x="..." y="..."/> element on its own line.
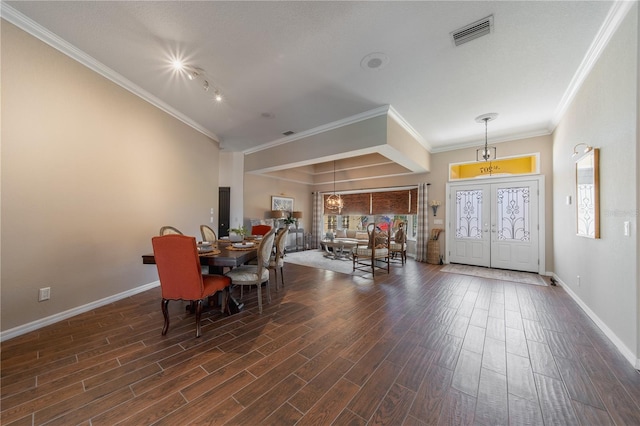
<point x="495" y="224"/>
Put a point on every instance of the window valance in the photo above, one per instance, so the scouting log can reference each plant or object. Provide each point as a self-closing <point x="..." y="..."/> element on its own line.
<point x="380" y="202"/>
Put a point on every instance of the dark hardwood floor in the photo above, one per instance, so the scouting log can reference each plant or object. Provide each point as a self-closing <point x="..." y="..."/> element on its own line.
<point x="415" y="347"/>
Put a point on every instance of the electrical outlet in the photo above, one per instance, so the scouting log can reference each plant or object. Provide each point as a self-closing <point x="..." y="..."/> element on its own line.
<point x="578" y="280"/>
<point x="44" y="294"/>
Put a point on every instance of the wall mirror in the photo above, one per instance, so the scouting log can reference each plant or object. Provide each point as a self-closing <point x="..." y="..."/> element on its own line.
<point x="588" y="195"/>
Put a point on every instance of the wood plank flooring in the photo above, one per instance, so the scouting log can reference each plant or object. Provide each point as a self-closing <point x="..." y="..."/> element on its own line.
<point x="414" y="347"/>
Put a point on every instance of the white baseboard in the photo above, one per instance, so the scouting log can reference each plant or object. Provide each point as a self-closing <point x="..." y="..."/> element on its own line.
<point x="625" y="351"/>
<point x="35" y="325"/>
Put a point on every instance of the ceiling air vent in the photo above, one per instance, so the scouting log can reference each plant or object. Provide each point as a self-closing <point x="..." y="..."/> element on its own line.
<point x="288" y="133"/>
<point x="473" y="31"/>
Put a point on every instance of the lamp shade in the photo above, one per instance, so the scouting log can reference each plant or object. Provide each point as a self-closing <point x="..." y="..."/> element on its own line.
<point x="278" y="214"/>
<point x="296" y="215"/>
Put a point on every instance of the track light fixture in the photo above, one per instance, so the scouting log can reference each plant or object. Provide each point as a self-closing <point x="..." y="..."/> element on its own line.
<point x="200" y="75"/>
<point x="192" y="73"/>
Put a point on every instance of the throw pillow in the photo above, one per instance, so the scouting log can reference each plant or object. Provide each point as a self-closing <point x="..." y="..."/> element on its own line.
<point x="399" y="237"/>
<point x="381" y="239"/>
<point x="362" y="235"/>
<point x="377" y="239"/>
<point x="341" y="233"/>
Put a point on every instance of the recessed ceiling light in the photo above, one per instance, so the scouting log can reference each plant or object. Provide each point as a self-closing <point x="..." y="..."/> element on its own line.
<point x="177" y="64"/>
<point x="374" y="61"/>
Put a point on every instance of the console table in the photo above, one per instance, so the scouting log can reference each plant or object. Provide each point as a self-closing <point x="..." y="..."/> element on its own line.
<point x="295" y="239"/>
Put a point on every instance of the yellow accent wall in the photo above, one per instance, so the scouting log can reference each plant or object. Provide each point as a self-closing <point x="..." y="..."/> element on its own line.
<point x="508" y="166"/>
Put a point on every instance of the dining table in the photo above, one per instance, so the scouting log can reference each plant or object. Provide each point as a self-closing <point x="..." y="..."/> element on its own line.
<point x="223" y="255"/>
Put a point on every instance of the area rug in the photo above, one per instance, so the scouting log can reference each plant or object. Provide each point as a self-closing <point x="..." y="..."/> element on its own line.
<point x="317" y="259"/>
<point x="496" y="274"/>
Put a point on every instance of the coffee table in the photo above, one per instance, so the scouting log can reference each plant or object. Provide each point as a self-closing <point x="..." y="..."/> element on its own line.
<point x="340" y="249"/>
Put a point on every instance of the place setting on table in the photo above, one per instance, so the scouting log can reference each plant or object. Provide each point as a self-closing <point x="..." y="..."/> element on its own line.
<point x="222" y="253"/>
<point x="248" y="242"/>
<point x="243" y="246"/>
<point x="206" y="248"/>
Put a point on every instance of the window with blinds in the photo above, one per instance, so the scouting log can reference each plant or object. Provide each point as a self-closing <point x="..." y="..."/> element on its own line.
<point x="385" y="202"/>
<point x="386" y="208"/>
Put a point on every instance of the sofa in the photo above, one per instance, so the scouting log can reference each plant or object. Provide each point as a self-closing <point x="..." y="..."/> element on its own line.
<point x="351" y="236"/>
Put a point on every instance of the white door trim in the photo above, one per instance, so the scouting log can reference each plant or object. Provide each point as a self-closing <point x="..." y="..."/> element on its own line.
<point x="512" y="179"/>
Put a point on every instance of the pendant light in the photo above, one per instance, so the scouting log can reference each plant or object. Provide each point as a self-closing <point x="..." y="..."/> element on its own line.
<point x="486" y="153"/>
<point x="334" y="201"/>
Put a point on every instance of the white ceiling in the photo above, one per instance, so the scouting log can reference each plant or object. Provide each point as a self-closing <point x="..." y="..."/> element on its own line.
<point x="299" y="62"/>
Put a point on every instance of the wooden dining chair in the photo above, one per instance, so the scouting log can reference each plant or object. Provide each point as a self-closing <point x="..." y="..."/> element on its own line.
<point x="168" y="230"/>
<point x="176" y="257"/>
<point x="208" y="234"/>
<point x="256" y="274"/>
<point x="375" y="255"/>
<point x="398" y="246"/>
<point x="277" y="260"/>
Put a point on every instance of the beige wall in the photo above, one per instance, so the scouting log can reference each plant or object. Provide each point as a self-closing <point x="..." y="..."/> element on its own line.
<point x="257" y="198"/>
<point x="604" y="114"/>
<point x="232" y="175"/>
<point x="90" y="173"/>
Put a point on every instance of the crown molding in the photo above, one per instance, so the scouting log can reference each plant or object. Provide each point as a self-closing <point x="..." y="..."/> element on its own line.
<point x="614" y="18"/>
<point x="480" y="143"/>
<point x="38" y="31"/>
<point x="321" y="129"/>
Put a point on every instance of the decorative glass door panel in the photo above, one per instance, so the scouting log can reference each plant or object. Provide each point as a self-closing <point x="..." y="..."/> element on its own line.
<point x="513" y="214"/>
<point x="469" y="214"/>
<point x="470" y="220"/>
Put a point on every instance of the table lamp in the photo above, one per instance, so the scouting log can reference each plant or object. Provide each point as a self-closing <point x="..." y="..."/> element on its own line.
<point x="296" y="216"/>
<point x="277" y="215"/>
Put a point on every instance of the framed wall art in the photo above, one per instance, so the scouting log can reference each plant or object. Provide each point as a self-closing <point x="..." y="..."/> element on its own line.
<point x="281" y="203"/>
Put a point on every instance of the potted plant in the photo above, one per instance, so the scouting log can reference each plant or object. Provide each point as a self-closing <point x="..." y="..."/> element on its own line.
<point x="237" y="234"/>
<point x="289" y="221"/>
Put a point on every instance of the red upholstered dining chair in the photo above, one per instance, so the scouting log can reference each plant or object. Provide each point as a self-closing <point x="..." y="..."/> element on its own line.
<point x="181" y="277"/>
<point x="260" y="229"/>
